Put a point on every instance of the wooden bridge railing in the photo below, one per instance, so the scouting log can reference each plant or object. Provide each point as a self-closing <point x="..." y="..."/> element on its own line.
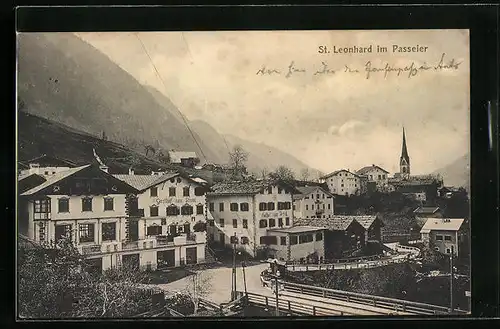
<point x="293" y="308"/>
<point x="377" y="301"/>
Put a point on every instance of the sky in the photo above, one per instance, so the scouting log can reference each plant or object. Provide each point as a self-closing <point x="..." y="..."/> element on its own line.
<point x="328" y="121"/>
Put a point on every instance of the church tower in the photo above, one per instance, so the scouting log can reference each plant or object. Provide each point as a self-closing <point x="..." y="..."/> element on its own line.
<point x="404" y="160"/>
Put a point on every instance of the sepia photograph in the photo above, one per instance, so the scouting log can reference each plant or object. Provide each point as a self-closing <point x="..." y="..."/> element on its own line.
<point x="243" y="174"/>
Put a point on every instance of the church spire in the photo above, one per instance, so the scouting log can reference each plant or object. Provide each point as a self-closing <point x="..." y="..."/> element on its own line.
<point x="404" y="160"/>
<point x="404" y="151"/>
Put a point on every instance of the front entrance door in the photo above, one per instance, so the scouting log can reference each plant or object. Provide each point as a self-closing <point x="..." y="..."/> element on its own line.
<point x="131" y="261"/>
<point x="165" y="258"/>
<point x="191" y="255"/>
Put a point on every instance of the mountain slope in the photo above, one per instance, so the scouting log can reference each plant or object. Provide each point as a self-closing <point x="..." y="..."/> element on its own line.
<point x="64" y="79"/>
<point x="456" y="173"/>
<point x="264" y="156"/>
<point x="41" y="136"/>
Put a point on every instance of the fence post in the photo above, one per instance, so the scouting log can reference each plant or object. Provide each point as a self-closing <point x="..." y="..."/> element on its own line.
<point x="289" y="307"/>
<point x="267" y="302"/>
<point x="374" y="302"/>
<point x="347" y="297"/>
<point x="324" y="293"/>
<point x="307" y="267"/>
<point x="314" y="310"/>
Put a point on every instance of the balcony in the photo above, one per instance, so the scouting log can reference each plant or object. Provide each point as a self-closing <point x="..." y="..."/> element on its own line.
<point x="130" y="245"/>
<point x="164" y="240"/>
<point x="92" y="249"/>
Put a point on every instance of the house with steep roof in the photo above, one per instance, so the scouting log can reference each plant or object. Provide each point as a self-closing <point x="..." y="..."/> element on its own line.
<point x="446" y="235"/>
<point x="45" y="165"/>
<point x="297" y="243"/>
<point x="343" y="182"/>
<point x="343" y="235"/>
<point x="243" y="212"/>
<point x="313" y="201"/>
<point x="170" y="209"/>
<point x="376" y="177"/>
<point x="186" y="159"/>
<point x="84" y="204"/>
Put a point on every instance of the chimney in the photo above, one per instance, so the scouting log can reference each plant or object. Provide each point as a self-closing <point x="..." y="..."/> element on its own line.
<point x="130" y="171"/>
<point x="104" y="168"/>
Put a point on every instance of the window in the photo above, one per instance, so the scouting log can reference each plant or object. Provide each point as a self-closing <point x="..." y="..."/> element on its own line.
<point x="171" y="191"/>
<point x="272" y="222"/>
<point x="341" y="185"/>
<point x="447" y="238"/>
<point x="280" y="190"/>
<point x="211" y="222"/>
<point x="154" y="230"/>
<point x="383" y="176"/>
<point x="293" y="239"/>
<point x="270" y="206"/>
<point x="287" y="221"/>
<point x="172" y="210"/>
<point x="329" y="206"/>
<point x="448" y="250"/>
<point x="108" y="204"/>
<point x="62" y="231"/>
<point x="317" y="196"/>
<point x="319" y="236"/>
<point x="323" y="196"/>
<point x="235" y="223"/>
<point x="244" y="240"/>
<point x="244" y="206"/>
<point x="270" y="190"/>
<point x="186" y="209"/>
<point x="221" y="222"/>
<point x="280" y="205"/>
<point x="86" y="233"/>
<point x="153" y="211"/>
<point x="312" y="207"/>
<point x="199" y="209"/>
<point x="185" y="191"/>
<point x="42" y="206"/>
<point x="439" y="237"/>
<point x="154" y="191"/>
<point x="233" y="206"/>
<point x="293" y="207"/>
<point x="280" y="222"/>
<point x="305" y="238"/>
<point x="87" y="204"/>
<point x="198" y="191"/>
<point x="211" y="206"/>
<point x="262" y="240"/>
<point x="163" y="221"/>
<point x="233" y="239"/>
<point x="307" y="207"/>
<point x="245" y="223"/>
<point x="221" y="206"/>
<point x="283" y="240"/>
<point x="108" y="231"/>
<point x="262" y="223"/>
<point x="63" y="205"/>
<point x="262" y="206"/>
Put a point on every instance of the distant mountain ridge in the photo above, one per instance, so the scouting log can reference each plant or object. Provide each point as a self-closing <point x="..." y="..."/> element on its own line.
<point x="456" y="173"/>
<point x="65" y="79"/>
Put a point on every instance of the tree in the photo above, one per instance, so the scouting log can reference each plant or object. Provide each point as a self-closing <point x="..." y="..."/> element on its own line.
<point x="305" y="174"/>
<point x="198" y="287"/>
<point x="264" y="173"/>
<point x="56" y="281"/>
<point x="238" y="158"/>
<point x="282" y="173"/>
<point x="163" y="157"/>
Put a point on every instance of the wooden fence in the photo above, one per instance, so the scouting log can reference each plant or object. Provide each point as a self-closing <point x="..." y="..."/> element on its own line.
<point x="377" y="301"/>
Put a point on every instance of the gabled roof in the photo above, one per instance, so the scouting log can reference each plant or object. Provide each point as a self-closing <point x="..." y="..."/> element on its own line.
<point x="367" y="169"/>
<point x="143" y="182"/>
<point x="306" y="190"/>
<point x="59" y="176"/>
<point x="54" y="179"/>
<point x="297" y="229"/>
<point x="334" y="173"/>
<point x="335" y="223"/>
<point x="249" y="187"/>
<point x="368" y="221"/>
<point x="426" y="210"/>
<point x="442" y="224"/>
<point x="26" y="175"/>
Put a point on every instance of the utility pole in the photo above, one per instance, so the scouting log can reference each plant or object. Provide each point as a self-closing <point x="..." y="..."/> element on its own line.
<point x="233" y="279"/>
<point x="451" y="281"/>
<point x="244" y="277"/>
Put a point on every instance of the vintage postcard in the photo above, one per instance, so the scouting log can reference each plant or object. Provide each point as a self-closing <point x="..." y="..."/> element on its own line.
<point x="243" y="173"/>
